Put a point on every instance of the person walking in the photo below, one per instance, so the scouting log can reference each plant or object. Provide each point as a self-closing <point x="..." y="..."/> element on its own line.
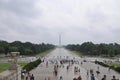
<point x="26" y="78"/>
<point x="45" y="78"/>
<point x="92" y="77"/>
<point x="104" y="77"/>
<point x="79" y="78"/>
<point x="47" y="64"/>
<point x="74" y="78"/>
<point x="32" y="77"/>
<point x="48" y="78"/>
<point x="91" y="71"/>
<point x="87" y="75"/>
<point x="87" y="72"/>
<point x="113" y="78"/>
<point x="61" y="78"/>
<point x="98" y="68"/>
<point x="67" y="68"/>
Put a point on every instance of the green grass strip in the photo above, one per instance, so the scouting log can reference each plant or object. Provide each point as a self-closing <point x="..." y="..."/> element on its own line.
<point x="44" y="53"/>
<point x="114" y="64"/>
<point x="4" y="66"/>
<point x="22" y="64"/>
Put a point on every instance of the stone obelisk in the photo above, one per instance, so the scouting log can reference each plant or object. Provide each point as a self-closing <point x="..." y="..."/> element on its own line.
<point x="59" y="40"/>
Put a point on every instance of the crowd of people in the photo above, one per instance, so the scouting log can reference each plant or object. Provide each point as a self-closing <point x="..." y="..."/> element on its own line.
<point x="98" y="72"/>
<point x="104" y="77"/>
<point x="60" y="63"/>
<point x="27" y="75"/>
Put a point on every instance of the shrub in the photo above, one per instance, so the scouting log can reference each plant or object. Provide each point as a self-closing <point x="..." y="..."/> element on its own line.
<point x="101" y="63"/>
<point x="106" y="65"/>
<point x="116" y="69"/>
<point x="32" y="65"/>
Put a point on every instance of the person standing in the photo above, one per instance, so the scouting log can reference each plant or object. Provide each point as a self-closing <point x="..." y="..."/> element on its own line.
<point x="45" y="79"/>
<point x="79" y="78"/>
<point x="26" y="78"/>
<point x="61" y="78"/>
<point x="47" y="64"/>
<point x="32" y="77"/>
<point x="48" y="78"/>
<point x="104" y="77"/>
<point x="91" y="71"/>
<point x="87" y="75"/>
<point x="98" y="68"/>
<point x="67" y="68"/>
<point x="113" y="78"/>
<point x="92" y="77"/>
<point x="74" y="78"/>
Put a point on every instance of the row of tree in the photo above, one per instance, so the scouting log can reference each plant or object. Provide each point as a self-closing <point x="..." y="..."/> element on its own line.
<point x="90" y="48"/>
<point x="26" y="48"/>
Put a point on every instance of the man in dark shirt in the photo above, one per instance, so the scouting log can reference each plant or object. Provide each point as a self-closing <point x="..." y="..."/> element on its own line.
<point x="32" y="77"/>
<point x="113" y="78"/>
<point x="104" y="77"/>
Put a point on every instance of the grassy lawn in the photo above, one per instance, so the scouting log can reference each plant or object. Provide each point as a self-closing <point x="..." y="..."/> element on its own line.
<point x="5" y="65"/>
<point x="22" y="64"/>
<point x="81" y="54"/>
<point x="114" y="64"/>
<point x="44" y="53"/>
<point x="77" y="53"/>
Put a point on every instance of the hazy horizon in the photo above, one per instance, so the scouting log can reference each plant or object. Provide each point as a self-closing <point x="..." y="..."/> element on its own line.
<point x="77" y="21"/>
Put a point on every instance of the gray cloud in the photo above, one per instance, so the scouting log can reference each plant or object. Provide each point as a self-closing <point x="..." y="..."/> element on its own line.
<point x="76" y="20"/>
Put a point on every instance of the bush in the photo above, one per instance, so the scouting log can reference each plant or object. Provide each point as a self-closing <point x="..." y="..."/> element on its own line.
<point x="101" y="63"/>
<point x="32" y="65"/>
<point x="117" y="69"/>
<point x="106" y="65"/>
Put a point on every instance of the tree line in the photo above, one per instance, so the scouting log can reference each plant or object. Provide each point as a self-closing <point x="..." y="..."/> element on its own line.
<point x="26" y="48"/>
<point x="90" y="48"/>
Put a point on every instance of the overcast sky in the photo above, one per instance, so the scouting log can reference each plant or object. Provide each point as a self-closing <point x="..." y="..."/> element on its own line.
<point x="77" y="21"/>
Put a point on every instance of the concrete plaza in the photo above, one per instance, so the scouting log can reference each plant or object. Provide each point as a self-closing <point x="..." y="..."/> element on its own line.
<point x="43" y="72"/>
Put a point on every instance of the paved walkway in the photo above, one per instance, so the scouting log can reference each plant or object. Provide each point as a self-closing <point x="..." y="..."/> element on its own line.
<point x="103" y="70"/>
<point x="42" y="72"/>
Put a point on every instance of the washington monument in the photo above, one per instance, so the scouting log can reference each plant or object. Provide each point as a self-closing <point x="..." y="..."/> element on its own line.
<point x="59" y="40"/>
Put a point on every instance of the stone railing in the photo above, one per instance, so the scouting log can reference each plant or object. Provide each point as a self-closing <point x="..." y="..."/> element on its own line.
<point x="11" y="74"/>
